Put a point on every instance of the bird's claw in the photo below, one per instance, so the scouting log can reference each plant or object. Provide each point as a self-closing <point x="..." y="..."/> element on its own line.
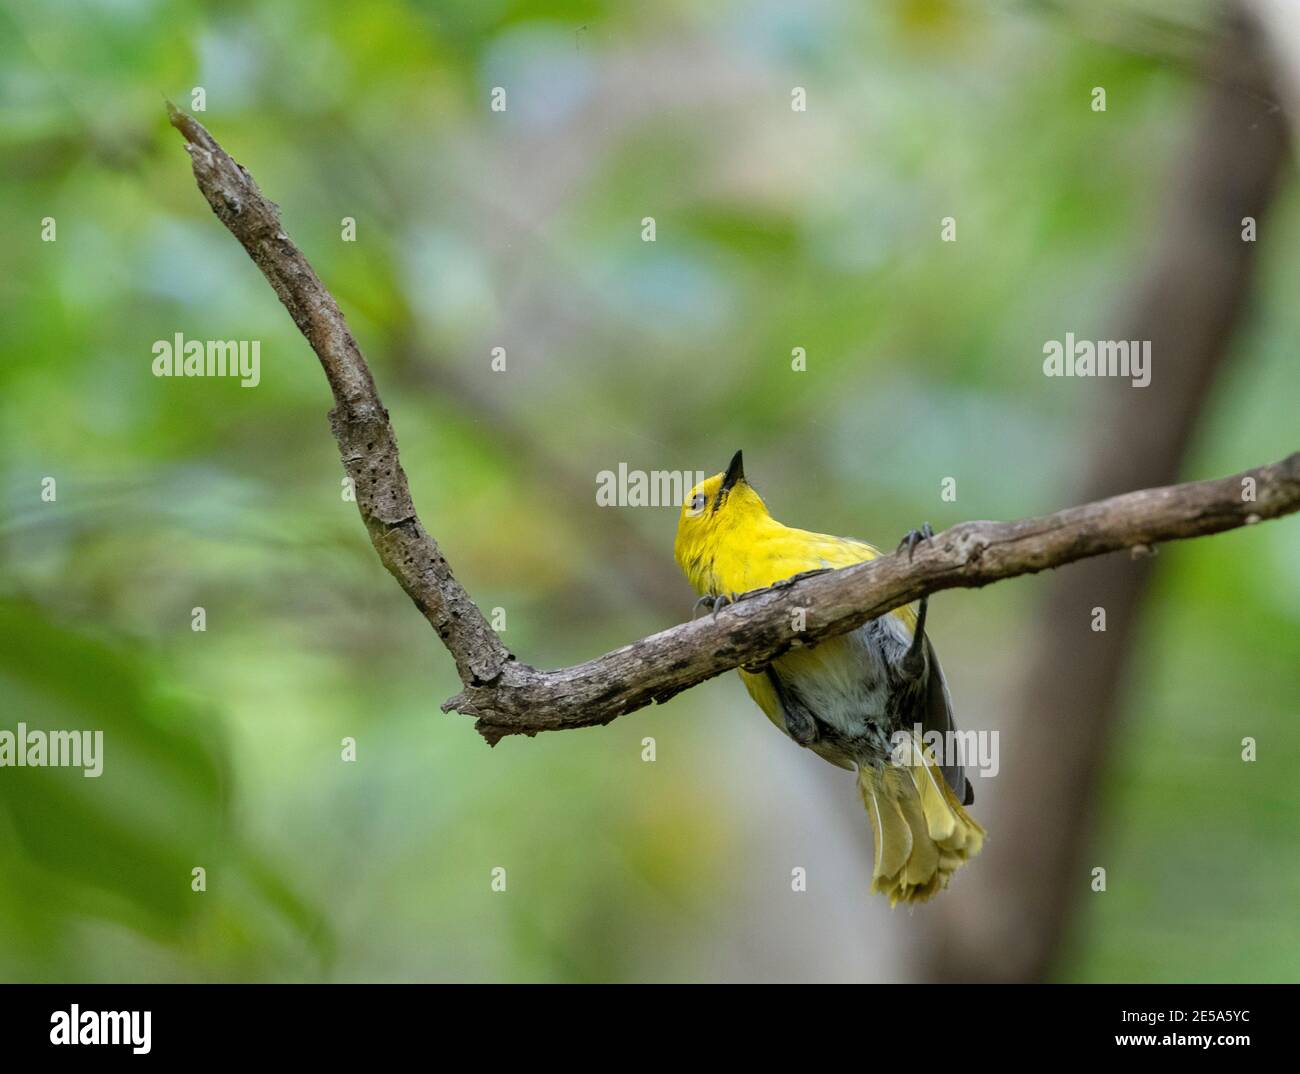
<point x="713" y="602"/>
<point x="914" y="537"/>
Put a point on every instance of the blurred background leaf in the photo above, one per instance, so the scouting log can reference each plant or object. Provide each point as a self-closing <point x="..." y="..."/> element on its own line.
<point x="477" y="229"/>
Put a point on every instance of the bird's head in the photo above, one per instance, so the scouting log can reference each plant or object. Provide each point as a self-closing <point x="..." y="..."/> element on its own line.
<point x="716" y="505"/>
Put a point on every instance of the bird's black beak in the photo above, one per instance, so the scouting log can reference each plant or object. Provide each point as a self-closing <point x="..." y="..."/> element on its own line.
<point x="735" y="472"/>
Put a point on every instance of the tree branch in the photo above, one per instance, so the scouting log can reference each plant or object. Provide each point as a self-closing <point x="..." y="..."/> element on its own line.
<point x="508" y="697"/>
<point x="359" y="420"/>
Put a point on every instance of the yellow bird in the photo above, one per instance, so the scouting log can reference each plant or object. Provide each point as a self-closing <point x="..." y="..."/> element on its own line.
<point x="856" y="700"/>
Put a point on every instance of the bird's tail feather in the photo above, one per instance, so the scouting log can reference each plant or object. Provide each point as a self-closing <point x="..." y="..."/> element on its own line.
<point x="922" y="833"/>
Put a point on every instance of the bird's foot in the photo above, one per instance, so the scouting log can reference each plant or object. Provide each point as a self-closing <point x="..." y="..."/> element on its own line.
<point x="913" y="664"/>
<point x="801" y="727"/>
<point x="914" y="537"/>
<point x="714" y="603"/>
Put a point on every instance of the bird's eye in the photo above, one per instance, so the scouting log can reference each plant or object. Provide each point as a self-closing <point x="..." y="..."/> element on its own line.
<point x="697" y="503"/>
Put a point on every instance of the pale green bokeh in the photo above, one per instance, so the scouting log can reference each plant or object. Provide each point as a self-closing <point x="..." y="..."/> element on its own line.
<point x="775" y="229"/>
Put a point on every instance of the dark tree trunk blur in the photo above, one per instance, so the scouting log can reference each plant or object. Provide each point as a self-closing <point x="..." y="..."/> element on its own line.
<point x="1006" y="922"/>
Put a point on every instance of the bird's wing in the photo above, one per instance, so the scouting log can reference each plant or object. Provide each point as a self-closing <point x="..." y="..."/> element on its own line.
<point x="937" y="716"/>
<point x="839" y="551"/>
<point x="763" y="692"/>
<point x="764" y="695"/>
<point x="846" y="551"/>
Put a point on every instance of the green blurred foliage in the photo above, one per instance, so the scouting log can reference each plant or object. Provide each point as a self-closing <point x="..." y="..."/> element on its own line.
<point x="522" y="229"/>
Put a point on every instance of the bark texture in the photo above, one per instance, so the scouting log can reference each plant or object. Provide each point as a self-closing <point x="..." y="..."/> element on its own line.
<point x="509" y="697"/>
